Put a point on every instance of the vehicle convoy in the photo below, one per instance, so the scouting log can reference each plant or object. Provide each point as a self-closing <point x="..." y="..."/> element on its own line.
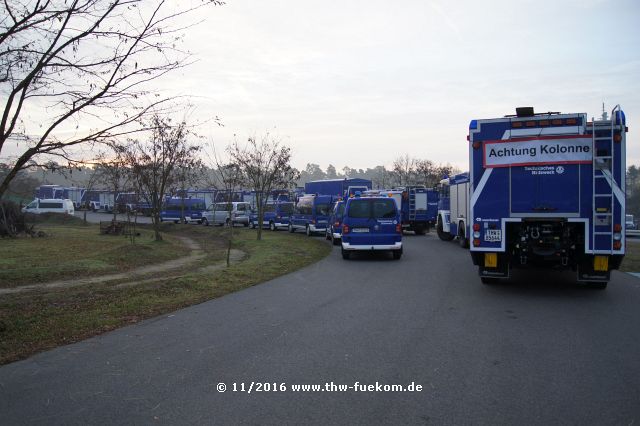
<point x="548" y="190"/>
<point x="371" y="224"/>
<point x="453" y="201"/>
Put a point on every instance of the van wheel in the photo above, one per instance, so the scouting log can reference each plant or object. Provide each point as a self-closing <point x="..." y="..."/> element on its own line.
<point x="272" y="226"/>
<point x="205" y="222"/>
<point x="245" y="224"/>
<point x="444" y="236"/>
<point x="397" y="254"/>
<point x="176" y="221"/>
<point x="308" y="231"/>
<point x="291" y="228"/>
<point x="253" y="225"/>
<point x="462" y="240"/>
<point x="227" y="222"/>
<point x="345" y="254"/>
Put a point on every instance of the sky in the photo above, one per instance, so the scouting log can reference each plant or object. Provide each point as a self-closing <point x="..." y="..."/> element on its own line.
<point x="359" y="83"/>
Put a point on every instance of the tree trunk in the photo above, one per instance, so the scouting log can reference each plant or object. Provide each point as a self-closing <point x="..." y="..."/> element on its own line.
<point x="230" y="241"/>
<point x="156" y="226"/>
<point x="260" y="217"/>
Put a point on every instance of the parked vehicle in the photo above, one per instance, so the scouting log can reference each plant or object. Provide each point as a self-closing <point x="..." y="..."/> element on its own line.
<point x="183" y="210"/>
<point x="334" y="227"/>
<point x="453" y="203"/>
<point x="547" y="190"/>
<point x="371" y="224"/>
<point x="311" y="214"/>
<point x="50" y="205"/>
<point x="227" y="213"/>
<point x="630" y="224"/>
<point x="276" y="215"/>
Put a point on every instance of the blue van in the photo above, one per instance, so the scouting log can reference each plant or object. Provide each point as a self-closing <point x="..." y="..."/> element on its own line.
<point x="172" y="210"/>
<point x="311" y="213"/>
<point x="276" y="215"/>
<point x="371" y="224"/>
<point x="334" y="227"/>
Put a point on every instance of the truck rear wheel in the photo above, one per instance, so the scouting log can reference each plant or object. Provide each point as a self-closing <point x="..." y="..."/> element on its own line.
<point x="462" y="239"/>
<point x="345" y="254"/>
<point x="489" y="281"/>
<point x="419" y="230"/>
<point x="444" y="236"/>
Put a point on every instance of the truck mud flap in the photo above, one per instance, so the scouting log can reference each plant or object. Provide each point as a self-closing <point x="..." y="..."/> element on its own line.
<point x="501" y="270"/>
<point x="586" y="273"/>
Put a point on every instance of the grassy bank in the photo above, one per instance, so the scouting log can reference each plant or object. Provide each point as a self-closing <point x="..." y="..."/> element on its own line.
<point x="34" y="321"/>
<point x="76" y="250"/>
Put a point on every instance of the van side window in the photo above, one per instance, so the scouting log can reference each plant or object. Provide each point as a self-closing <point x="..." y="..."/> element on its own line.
<point x="50" y="205"/>
<point x="242" y="207"/>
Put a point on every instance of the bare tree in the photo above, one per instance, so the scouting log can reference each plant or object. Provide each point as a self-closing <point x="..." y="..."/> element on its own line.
<point x="266" y="165"/>
<point x="69" y="63"/>
<point x="153" y="164"/>
<point x="404" y="170"/>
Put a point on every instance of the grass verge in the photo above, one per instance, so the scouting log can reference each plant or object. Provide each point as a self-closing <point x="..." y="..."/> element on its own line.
<point x="76" y="250"/>
<point x="631" y="261"/>
<point x="34" y="321"/>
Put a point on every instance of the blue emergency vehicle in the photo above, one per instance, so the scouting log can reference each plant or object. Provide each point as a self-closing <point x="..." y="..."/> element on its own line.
<point x="334" y="225"/>
<point x="185" y="210"/>
<point x="311" y="213"/>
<point x="452" y="209"/>
<point x="548" y="190"/>
<point x="371" y="224"/>
<point x="276" y="215"/>
<point x="342" y="188"/>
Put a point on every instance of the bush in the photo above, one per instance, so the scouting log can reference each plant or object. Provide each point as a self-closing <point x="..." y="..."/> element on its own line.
<point x="12" y="221"/>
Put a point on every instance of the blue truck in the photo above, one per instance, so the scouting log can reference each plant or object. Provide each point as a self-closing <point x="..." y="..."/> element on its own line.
<point x="418" y="207"/>
<point x="547" y="190"/>
<point x="453" y="201"/>
<point x="344" y="188"/>
<point x="276" y="215"/>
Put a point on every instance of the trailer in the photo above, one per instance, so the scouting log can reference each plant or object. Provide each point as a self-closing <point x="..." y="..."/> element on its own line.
<point x="418" y="206"/>
<point x="547" y="190"/>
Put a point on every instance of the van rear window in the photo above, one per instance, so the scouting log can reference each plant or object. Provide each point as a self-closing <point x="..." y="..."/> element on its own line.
<point x="323" y="209"/>
<point x="377" y="209"/>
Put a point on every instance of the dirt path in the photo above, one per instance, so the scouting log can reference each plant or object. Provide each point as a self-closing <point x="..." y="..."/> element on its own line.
<point x="134" y="276"/>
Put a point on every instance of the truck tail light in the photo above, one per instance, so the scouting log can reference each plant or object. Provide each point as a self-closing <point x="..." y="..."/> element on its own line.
<point x="336" y="223"/>
<point x="345" y="229"/>
<point x="476" y="242"/>
<point x="398" y="228"/>
<point x="476" y="227"/>
<point x="617" y="138"/>
<point x="617" y="245"/>
<point x="617" y="227"/>
<point x="476" y="145"/>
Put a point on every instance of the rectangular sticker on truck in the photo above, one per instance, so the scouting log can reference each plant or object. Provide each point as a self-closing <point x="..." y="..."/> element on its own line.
<point x="570" y="149"/>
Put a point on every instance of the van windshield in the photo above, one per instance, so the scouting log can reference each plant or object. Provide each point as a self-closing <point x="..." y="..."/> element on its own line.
<point x="286" y="208"/>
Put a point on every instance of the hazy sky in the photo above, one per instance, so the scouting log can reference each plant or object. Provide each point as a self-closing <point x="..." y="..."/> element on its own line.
<point x="360" y="83"/>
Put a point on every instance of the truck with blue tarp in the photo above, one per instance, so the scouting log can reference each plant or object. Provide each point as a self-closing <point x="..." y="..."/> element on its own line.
<point x="453" y="201"/>
<point x="547" y="190"/>
<point x="337" y="187"/>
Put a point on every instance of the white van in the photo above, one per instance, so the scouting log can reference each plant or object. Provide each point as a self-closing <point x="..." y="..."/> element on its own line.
<point x="39" y="206"/>
<point x="227" y="213"/>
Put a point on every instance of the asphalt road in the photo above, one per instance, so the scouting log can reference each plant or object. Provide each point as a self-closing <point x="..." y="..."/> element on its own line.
<point x="537" y="350"/>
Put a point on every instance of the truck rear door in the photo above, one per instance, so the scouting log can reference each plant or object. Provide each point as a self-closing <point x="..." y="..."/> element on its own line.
<point x="548" y="189"/>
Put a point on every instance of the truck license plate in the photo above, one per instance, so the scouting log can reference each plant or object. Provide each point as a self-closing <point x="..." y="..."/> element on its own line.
<point x="493" y="235"/>
<point x="360" y="229"/>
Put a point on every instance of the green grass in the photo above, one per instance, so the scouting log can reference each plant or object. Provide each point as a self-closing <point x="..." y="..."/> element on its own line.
<point x="76" y="250"/>
<point x="631" y="261"/>
<point x="34" y="321"/>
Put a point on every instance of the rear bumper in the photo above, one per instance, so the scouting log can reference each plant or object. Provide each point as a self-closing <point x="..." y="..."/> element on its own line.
<point x="369" y="247"/>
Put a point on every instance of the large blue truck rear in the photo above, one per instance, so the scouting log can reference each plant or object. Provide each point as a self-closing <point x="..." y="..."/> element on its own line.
<point x="547" y="190"/>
